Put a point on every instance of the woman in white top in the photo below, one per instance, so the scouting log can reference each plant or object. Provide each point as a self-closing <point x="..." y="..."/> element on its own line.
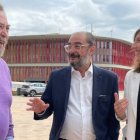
<point x="126" y="108"/>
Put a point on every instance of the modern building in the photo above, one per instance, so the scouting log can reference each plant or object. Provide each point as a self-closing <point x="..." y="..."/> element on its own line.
<point x="33" y="57"/>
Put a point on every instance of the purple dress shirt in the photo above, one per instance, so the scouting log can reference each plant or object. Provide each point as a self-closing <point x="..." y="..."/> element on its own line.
<point x="6" y="126"/>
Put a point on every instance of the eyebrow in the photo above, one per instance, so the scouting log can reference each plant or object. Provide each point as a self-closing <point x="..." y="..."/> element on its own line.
<point x="75" y="43"/>
<point x="8" y="25"/>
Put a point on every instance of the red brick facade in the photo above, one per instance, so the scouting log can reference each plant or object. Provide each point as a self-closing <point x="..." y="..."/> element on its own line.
<point x="34" y="57"/>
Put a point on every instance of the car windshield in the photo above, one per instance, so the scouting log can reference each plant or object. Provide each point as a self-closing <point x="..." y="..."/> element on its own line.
<point x="38" y="84"/>
<point x="25" y="86"/>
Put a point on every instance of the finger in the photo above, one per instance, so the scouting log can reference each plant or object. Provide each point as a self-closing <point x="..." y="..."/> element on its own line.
<point x="133" y="49"/>
<point x="29" y="109"/>
<point x="38" y="101"/>
<point x="32" y="100"/>
<point x="123" y="102"/>
<point x="116" y="96"/>
<point x="46" y="106"/>
<point x="30" y="104"/>
<point x="121" y="107"/>
<point x="124" y="105"/>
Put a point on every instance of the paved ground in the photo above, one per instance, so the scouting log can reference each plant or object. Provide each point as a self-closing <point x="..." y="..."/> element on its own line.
<point x="25" y="127"/>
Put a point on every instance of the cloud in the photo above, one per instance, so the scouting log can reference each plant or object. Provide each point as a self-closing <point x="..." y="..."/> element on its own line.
<point x="117" y="18"/>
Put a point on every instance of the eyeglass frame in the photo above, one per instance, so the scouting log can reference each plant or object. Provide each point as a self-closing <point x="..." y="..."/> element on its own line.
<point x="77" y="46"/>
<point x="2" y="26"/>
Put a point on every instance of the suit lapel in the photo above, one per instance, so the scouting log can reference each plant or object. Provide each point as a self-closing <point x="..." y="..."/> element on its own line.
<point x="97" y="78"/>
<point x="67" y="82"/>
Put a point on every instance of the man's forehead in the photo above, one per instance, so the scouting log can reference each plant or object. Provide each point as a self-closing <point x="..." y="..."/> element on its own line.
<point x="78" y="37"/>
<point x="81" y="34"/>
<point x="2" y="13"/>
<point x="3" y="18"/>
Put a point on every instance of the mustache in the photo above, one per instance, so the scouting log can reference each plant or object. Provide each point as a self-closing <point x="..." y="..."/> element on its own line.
<point x="73" y="55"/>
<point x="3" y="41"/>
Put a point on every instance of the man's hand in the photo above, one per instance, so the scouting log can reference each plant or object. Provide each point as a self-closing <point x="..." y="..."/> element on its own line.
<point x="37" y="105"/>
<point x="120" y="106"/>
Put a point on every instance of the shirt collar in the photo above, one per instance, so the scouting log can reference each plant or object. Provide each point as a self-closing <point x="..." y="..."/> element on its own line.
<point x="89" y="71"/>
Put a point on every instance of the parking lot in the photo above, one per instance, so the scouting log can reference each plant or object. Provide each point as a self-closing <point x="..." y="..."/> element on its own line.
<point x="25" y="127"/>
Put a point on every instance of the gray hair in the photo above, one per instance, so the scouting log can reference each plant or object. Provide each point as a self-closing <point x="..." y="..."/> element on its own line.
<point x="90" y="38"/>
<point x="1" y="8"/>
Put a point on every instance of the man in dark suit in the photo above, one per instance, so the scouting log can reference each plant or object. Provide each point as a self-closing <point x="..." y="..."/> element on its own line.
<point x="80" y="97"/>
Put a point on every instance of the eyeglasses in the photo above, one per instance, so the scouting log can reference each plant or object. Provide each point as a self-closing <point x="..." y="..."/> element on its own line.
<point x="76" y="46"/>
<point x="2" y="26"/>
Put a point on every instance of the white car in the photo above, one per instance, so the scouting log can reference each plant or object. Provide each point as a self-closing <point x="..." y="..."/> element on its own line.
<point x="33" y="89"/>
<point x="16" y="85"/>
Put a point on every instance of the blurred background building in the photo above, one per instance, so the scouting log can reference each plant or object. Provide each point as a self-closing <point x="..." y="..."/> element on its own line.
<point x="33" y="57"/>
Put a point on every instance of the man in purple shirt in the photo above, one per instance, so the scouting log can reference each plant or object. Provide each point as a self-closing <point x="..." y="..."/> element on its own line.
<point x="6" y="126"/>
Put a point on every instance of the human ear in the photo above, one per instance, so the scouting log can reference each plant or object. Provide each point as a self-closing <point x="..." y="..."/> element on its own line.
<point x="92" y="49"/>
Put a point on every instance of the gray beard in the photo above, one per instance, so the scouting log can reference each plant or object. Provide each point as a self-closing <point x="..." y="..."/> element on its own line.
<point x="2" y="51"/>
<point x="75" y="65"/>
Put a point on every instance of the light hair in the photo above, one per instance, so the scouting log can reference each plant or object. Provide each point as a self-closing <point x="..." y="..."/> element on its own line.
<point x="90" y="38"/>
<point x="136" y="65"/>
<point x="1" y="8"/>
<point x="136" y="62"/>
<point x="137" y="31"/>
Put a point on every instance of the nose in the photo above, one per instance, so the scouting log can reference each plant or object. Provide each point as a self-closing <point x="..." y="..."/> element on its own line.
<point x="4" y="32"/>
<point x="72" y="49"/>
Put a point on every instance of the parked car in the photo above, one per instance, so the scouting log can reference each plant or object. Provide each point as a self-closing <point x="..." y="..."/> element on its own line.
<point x="16" y="85"/>
<point x="33" y="89"/>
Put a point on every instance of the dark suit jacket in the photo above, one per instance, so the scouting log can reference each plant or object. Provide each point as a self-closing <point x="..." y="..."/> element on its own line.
<point x="105" y="83"/>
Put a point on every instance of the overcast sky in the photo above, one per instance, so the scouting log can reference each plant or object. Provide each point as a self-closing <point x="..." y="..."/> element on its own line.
<point x="110" y="18"/>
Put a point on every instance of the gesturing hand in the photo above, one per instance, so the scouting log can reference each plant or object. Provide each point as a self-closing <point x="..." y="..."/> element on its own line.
<point x="120" y="106"/>
<point x="37" y="105"/>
